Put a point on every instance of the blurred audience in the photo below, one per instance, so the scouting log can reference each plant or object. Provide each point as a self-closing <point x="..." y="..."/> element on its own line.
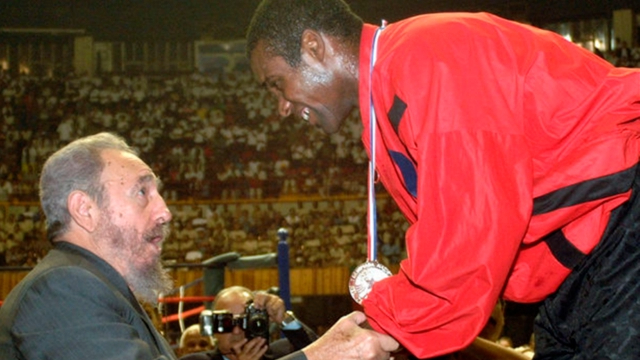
<point x="192" y="341"/>
<point x="208" y="138"/>
<point x="200" y="231"/>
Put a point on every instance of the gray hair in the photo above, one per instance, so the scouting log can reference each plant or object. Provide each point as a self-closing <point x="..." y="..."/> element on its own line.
<point x="77" y="166"/>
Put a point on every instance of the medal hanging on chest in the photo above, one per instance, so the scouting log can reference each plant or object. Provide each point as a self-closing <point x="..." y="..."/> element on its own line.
<point x="365" y="275"/>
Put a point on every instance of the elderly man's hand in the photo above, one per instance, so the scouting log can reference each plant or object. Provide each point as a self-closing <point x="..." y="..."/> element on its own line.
<point x="347" y="340"/>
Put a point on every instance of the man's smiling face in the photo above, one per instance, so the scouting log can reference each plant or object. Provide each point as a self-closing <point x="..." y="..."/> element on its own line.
<point x="311" y="91"/>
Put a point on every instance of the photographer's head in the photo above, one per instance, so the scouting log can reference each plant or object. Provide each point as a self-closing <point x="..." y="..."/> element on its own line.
<point x="235" y="300"/>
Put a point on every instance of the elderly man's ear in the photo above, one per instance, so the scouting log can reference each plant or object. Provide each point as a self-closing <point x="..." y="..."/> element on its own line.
<point x="84" y="211"/>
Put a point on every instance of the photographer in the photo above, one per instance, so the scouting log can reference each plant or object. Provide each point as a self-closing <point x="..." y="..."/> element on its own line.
<point x="236" y="343"/>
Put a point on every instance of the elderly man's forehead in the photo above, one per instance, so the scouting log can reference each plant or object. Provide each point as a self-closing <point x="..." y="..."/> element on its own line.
<point x="121" y="165"/>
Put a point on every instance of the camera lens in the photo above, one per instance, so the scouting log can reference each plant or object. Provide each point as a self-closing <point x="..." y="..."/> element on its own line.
<point x="218" y="321"/>
<point x="206" y="323"/>
<point x="226" y="324"/>
<point x="258" y="325"/>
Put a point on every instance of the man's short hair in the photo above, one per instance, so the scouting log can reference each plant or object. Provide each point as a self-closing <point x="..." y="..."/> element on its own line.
<point x="77" y="166"/>
<point x="280" y="24"/>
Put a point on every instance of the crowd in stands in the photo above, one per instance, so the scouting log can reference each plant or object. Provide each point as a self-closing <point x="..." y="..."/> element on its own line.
<point x="320" y="233"/>
<point x="208" y="138"/>
<point x="623" y="55"/>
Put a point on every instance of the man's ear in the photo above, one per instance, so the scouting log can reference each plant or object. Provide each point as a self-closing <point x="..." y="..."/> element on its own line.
<point x="313" y="45"/>
<point x="83" y="210"/>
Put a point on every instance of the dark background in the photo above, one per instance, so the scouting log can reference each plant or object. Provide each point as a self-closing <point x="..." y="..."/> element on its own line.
<point x="228" y="19"/>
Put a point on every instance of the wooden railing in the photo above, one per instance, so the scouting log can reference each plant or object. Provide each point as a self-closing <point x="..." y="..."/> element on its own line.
<point x="303" y="281"/>
<point x="9" y="279"/>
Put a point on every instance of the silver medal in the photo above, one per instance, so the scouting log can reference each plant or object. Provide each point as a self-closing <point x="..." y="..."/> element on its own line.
<point x="363" y="278"/>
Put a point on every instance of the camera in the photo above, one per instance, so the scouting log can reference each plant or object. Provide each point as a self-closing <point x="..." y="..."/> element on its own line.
<point x="254" y="322"/>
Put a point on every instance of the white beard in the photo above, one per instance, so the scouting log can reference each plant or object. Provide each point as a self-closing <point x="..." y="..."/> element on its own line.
<point x="126" y="247"/>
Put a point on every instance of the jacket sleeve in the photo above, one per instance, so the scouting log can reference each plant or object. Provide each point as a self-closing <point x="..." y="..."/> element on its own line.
<point x="463" y="129"/>
<point x="460" y="249"/>
<point x="71" y="314"/>
<point x="300" y="338"/>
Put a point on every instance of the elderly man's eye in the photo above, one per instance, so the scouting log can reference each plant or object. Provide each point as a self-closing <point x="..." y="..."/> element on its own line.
<point x="275" y="85"/>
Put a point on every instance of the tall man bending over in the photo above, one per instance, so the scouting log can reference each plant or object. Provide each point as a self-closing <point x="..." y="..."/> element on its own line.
<point x="512" y="152"/>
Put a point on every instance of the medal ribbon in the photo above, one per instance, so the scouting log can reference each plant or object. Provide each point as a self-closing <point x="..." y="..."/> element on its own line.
<point x="372" y="240"/>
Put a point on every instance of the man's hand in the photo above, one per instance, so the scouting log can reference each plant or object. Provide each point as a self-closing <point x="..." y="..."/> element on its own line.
<point x="250" y="349"/>
<point x="272" y="303"/>
<point x="347" y="340"/>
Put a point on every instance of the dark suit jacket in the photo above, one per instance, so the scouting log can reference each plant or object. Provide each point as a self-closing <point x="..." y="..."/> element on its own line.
<point x="73" y="305"/>
<point x="289" y="347"/>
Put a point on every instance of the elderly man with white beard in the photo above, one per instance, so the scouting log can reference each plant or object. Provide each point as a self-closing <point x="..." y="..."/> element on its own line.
<point x="106" y="220"/>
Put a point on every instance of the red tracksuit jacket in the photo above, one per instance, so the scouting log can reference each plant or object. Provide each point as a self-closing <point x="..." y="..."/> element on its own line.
<point x="506" y="147"/>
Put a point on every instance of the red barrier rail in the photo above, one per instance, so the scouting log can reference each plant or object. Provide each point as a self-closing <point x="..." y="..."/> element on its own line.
<point x="183" y="315"/>
<point x="173" y="300"/>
